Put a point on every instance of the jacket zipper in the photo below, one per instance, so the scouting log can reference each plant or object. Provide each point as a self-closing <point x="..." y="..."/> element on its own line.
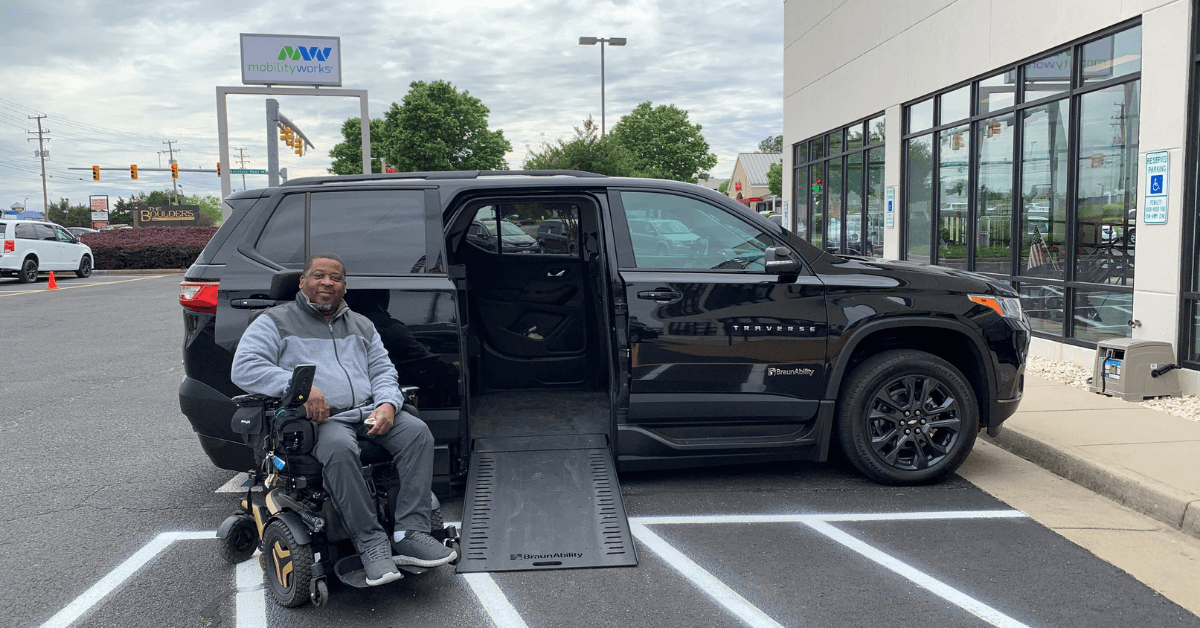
<point x="353" y="397"/>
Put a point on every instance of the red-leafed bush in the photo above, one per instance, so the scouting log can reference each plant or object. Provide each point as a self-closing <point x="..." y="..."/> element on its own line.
<point x="147" y="247"/>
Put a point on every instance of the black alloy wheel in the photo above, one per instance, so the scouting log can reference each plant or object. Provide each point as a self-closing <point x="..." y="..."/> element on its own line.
<point x="288" y="568"/>
<point x="28" y="272"/>
<point x="907" y="417"/>
<point x="85" y="268"/>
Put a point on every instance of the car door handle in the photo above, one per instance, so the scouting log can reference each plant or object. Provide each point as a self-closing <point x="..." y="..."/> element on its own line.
<point x="660" y="296"/>
<point x="556" y="273"/>
<point x="251" y="304"/>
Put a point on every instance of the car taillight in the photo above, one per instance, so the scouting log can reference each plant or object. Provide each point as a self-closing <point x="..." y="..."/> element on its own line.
<point x="10" y="246"/>
<point x="199" y="296"/>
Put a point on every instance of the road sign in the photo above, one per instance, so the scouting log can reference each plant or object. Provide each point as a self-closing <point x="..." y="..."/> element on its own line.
<point x="246" y="171"/>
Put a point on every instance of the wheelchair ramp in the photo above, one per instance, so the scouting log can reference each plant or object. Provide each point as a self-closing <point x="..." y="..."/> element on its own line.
<point x="544" y="502"/>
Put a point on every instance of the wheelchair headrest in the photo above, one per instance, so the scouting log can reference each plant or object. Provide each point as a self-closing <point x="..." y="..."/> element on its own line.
<point x="285" y="284"/>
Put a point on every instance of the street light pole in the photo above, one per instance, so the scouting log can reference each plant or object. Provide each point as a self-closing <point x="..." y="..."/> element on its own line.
<point x="612" y="41"/>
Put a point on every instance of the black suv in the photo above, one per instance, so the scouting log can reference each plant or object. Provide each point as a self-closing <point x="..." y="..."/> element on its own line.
<point x="746" y="345"/>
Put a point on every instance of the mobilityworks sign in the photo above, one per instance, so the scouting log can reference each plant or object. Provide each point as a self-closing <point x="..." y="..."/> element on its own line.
<point x="291" y="60"/>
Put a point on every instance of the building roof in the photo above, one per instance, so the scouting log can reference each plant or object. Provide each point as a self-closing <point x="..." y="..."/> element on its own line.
<point x="756" y="165"/>
<point x="712" y="184"/>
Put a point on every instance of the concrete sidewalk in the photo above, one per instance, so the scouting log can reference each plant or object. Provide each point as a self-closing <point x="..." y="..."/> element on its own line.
<point x="1144" y="459"/>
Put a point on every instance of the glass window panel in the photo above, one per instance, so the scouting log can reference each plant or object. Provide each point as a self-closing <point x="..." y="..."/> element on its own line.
<point x="875" y="209"/>
<point x="920" y="116"/>
<point x="372" y="231"/>
<point x="670" y="231"/>
<point x="997" y="92"/>
<point x="282" y="241"/>
<point x="993" y="196"/>
<point x="800" y="206"/>
<point x="856" y="242"/>
<point x="1043" y="304"/>
<point x="833" y="213"/>
<point x="917" y="196"/>
<point x="800" y="155"/>
<point x="1100" y="315"/>
<point x="1106" y="196"/>
<point x="1113" y="56"/>
<point x="955" y="105"/>
<point x="1044" y="190"/>
<point x="834" y="142"/>
<point x="854" y="137"/>
<point x="875" y="130"/>
<point x="1194" y="351"/>
<point x="553" y="227"/>
<point x="816" y="174"/>
<point x="1047" y="76"/>
<point x="954" y="161"/>
<point x="818" y="148"/>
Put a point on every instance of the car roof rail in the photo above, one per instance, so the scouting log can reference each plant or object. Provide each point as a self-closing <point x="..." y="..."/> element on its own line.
<point x="441" y="175"/>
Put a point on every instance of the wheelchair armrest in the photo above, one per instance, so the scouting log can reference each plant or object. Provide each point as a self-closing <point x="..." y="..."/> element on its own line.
<point x="251" y="400"/>
<point x="410" y="393"/>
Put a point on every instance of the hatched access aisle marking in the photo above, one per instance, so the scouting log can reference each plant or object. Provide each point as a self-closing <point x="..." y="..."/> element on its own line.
<point x="251" y="594"/>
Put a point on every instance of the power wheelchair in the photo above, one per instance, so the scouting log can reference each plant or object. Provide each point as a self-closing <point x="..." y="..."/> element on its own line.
<point x="297" y="528"/>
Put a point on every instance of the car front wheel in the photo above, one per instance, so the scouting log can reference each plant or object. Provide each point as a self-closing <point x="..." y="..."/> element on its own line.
<point x="28" y="272"/>
<point x="85" y="267"/>
<point x="907" y="417"/>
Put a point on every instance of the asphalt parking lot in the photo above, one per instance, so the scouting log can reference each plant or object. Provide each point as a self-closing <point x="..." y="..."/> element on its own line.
<point x="110" y="506"/>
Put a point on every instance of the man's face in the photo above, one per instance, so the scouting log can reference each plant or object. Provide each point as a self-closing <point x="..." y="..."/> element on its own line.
<point x="324" y="284"/>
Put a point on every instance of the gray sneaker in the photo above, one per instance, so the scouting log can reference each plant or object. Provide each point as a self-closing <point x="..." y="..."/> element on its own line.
<point x="377" y="560"/>
<point x="421" y="550"/>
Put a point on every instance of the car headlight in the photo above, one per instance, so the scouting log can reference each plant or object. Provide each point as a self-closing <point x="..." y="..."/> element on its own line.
<point x="1008" y="307"/>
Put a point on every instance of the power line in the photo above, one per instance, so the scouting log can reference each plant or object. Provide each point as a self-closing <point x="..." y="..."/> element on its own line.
<point x="42" y="156"/>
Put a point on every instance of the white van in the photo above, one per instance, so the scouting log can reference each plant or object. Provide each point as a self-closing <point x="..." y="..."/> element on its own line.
<point x="28" y="247"/>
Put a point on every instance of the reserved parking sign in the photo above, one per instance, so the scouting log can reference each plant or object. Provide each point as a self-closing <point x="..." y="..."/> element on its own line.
<point x="1158" y="166"/>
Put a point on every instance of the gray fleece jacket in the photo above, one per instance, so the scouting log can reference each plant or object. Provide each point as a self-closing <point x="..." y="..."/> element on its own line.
<point x="353" y="369"/>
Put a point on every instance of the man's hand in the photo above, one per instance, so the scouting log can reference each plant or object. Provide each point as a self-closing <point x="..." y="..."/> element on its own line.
<point x="316" y="406"/>
<point x="381" y="419"/>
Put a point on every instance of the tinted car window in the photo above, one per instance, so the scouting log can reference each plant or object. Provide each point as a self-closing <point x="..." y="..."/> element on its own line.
<point x="2" y="227"/>
<point x="678" y="232"/>
<point x="62" y="235"/>
<point x="44" y="232"/>
<point x="374" y="232"/>
<point x="26" y="232"/>
<point x="282" y="241"/>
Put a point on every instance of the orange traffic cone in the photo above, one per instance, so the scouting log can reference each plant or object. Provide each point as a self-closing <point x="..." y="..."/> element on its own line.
<point x="53" y="284"/>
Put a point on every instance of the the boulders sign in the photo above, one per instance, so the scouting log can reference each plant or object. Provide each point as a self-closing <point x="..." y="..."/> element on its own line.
<point x="167" y="216"/>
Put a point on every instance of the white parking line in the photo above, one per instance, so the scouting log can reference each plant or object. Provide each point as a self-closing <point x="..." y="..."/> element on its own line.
<point x="237" y="484"/>
<point x="703" y="580"/>
<point x="497" y="606"/>
<point x="117" y="577"/>
<point x="251" y="596"/>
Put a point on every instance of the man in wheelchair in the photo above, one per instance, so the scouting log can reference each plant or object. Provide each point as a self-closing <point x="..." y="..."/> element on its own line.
<point x="354" y="397"/>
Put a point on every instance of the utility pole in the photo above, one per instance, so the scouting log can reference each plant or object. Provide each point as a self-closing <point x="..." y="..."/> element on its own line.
<point x="174" y="182"/>
<point x="242" y="164"/>
<point x="42" y="156"/>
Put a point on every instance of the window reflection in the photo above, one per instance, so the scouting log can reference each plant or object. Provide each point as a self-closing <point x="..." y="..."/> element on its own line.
<point x="1044" y="305"/>
<point x="955" y="105"/>
<point x="833" y="242"/>
<point x="1047" y="76"/>
<point x="1194" y="353"/>
<point x="1106" y="194"/>
<point x="920" y="116"/>
<point x="875" y="208"/>
<point x="954" y="146"/>
<point x="1113" y="56"/>
<point x="1100" y="315"/>
<point x="834" y="142"/>
<point x="854" y="137"/>
<point x="918" y="196"/>
<point x="875" y="128"/>
<point x="1044" y="189"/>
<point x="816" y="174"/>
<point x="855" y="241"/>
<point x="993" y="237"/>
<point x="997" y="92"/>
<point x="801" y="205"/>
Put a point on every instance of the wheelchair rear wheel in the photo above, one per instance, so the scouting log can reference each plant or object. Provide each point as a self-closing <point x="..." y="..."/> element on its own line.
<point x="288" y="565"/>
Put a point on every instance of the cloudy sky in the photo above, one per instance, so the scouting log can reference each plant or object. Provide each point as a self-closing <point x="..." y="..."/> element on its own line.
<point x="118" y="79"/>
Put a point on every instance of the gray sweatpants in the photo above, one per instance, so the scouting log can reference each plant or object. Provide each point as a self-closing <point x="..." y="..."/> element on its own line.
<point x="411" y="446"/>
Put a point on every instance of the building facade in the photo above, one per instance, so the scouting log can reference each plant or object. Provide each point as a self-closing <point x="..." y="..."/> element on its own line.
<point x="748" y="183"/>
<point x="1007" y="137"/>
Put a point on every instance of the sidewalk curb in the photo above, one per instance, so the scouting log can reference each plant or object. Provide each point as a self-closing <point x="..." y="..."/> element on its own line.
<point x="1177" y="508"/>
<point x="146" y="271"/>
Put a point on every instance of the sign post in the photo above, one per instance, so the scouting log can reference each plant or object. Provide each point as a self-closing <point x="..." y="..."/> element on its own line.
<point x="1158" y="172"/>
<point x="99" y="203"/>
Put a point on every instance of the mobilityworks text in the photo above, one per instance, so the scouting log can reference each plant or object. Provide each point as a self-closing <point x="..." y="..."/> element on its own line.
<point x="289" y="69"/>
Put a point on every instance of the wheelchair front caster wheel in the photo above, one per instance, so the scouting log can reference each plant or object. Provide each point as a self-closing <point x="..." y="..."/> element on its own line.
<point x="241" y="541"/>
<point x="319" y="594"/>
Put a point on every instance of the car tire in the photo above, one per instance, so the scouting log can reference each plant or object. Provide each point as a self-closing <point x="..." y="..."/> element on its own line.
<point x="889" y="436"/>
<point x="662" y="250"/>
<point x="28" y="272"/>
<point x="288" y="565"/>
<point x="85" y="268"/>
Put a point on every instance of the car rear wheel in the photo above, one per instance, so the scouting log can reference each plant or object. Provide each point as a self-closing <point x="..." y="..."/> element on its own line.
<point x="907" y="417"/>
<point x="85" y="267"/>
<point x="28" y="272"/>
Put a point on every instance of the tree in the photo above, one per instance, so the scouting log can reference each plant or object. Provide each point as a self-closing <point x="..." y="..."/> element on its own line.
<point x="602" y="155"/>
<point x="210" y="209"/>
<point x="68" y="215"/>
<point x="347" y="154"/>
<point x="773" y="144"/>
<point x="775" y="179"/>
<point x="663" y="143"/>
<point x="438" y="128"/>
<point x="724" y="187"/>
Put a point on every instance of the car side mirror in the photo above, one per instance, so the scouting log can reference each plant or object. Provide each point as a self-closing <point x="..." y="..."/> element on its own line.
<point x="780" y="260"/>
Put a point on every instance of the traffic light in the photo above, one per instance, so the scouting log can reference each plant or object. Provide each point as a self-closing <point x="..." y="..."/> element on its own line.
<point x="218" y="168"/>
<point x="300" y="150"/>
<point x="95" y="173"/>
<point x="174" y="171"/>
<point x="133" y="171"/>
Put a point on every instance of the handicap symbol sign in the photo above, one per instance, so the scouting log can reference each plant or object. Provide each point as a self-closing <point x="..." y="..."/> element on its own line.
<point x="1156" y="184"/>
